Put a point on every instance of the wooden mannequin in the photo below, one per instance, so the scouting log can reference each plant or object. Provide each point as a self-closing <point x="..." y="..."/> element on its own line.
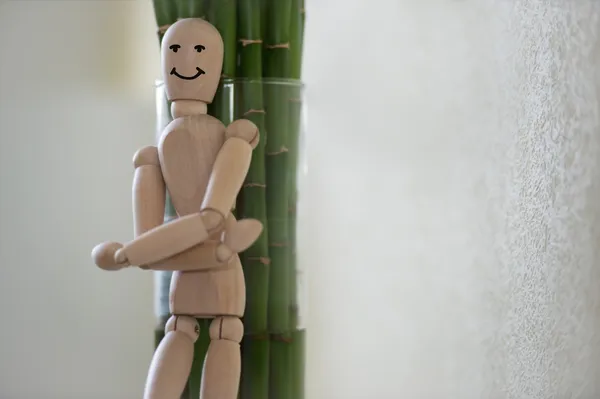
<point x="202" y="164"/>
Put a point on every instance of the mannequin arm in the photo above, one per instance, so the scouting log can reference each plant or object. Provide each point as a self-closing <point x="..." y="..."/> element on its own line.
<point x="201" y="257"/>
<point x="237" y="237"/>
<point x="226" y="179"/>
<point x="230" y="168"/>
<point x="228" y="175"/>
<point x="148" y="191"/>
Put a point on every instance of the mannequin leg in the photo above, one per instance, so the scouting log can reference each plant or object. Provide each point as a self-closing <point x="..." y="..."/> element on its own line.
<point x="172" y="361"/>
<point x="222" y="366"/>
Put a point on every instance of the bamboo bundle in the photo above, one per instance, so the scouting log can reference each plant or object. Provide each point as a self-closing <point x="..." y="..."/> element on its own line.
<point x="263" y="42"/>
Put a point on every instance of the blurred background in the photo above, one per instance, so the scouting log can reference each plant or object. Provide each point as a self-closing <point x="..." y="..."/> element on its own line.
<point x="451" y="198"/>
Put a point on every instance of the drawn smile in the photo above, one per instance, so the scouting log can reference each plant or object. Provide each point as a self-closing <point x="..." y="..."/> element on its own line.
<point x="197" y="75"/>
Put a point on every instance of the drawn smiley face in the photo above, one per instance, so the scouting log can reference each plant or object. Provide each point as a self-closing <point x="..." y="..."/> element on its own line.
<point x="191" y="60"/>
<point x="199" y="71"/>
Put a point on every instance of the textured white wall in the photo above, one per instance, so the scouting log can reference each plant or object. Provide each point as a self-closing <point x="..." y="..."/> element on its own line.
<point x="454" y="178"/>
<point x="450" y="208"/>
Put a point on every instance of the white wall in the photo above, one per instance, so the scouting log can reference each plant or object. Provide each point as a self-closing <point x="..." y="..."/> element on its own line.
<point x="451" y="203"/>
<point x="70" y="122"/>
<point x="456" y="183"/>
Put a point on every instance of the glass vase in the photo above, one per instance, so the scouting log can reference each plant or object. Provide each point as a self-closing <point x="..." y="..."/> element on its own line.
<point x="273" y="347"/>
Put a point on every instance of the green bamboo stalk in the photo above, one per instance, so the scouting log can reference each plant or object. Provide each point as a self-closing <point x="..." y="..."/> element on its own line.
<point x="191" y="8"/>
<point x="277" y="57"/>
<point x="253" y="201"/>
<point x="295" y="114"/>
<point x="295" y="105"/>
<point x="252" y="204"/>
<point x="198" y="8"/>
<point x="263" y="17"/>
<point x="183" y="8"/>
<point x="277" y="65"/>
<point x="277" y="157"/>
<point x="165" y="12"/>
<point x="298" y="364"/>
<point x="223" y="15"/>
<point x="296" y="38"/>
<point x="296" y="355"/>
<point x="297" y="350"/>
<point x="254" y="382"/>
<point x="277" y="52"/>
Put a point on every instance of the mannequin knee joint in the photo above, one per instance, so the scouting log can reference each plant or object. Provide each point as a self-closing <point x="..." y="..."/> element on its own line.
<point x="185" y="324"/>
<point x="227" y="327"/>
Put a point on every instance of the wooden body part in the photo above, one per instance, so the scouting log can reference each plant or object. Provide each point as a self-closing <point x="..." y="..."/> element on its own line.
<point x="164" y="241"/>
<point x="209" y="293"/>
<point x="222" y="366"/>
<point x="172" y="362"/>
<point x="148" y="191"/>
<point x="202" y="165"/>
<point x="191" y="58"/>
<point x="187" y="149"/>
<point x="216" y="252"/>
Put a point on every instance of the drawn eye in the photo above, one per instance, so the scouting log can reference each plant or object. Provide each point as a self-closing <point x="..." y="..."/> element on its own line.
<point x="199" y="48"/>
<point x="175" y="47"/>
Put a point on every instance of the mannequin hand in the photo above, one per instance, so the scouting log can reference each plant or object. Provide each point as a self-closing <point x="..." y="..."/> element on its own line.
<point x="104" y="256"/>
<point x="238" y="237"/>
